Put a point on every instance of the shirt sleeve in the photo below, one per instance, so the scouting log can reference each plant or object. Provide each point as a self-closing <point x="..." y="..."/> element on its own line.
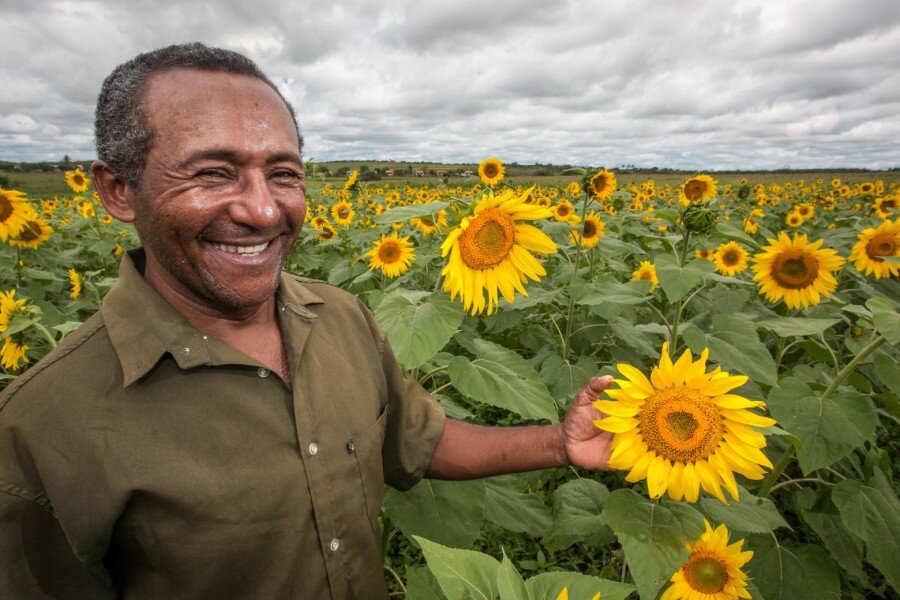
<point x="415" y="423"/>
<point x="37" y="560"/>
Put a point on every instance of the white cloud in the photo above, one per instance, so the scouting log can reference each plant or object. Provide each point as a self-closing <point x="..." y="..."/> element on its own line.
<point x="691" y="84"/>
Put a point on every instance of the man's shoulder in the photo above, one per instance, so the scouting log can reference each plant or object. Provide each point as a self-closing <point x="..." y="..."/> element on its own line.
<point x="80" y="360"/>
<point x="316" y="291"/>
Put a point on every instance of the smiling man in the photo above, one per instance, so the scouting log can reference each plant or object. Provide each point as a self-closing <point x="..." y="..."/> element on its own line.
<point x="220" y="428"/>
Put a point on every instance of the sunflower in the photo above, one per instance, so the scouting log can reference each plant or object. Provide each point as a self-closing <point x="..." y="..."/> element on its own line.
<point x="36" y="232"/>
<point x="602" y="184"/>
<point x="75" y="282"/>
<point x="699" y="187"/>
<point x="77" y="180"/>
<point x="86" y="209"/>
<point x="590" y="231"/>
<point x="342" y="212"/>
<point x="875" y="243"/>
<point x="14" y="212"/>
<point x="491" y="171"/>
<point x="352" y="181"/>
<point x="681" y="428"/>
<point x="429" y="226"/>
<point x="491" y="251"/>
<point x="705" y="253"/>
<point x="564" y="212"/>
<point x="713" y="570"/>
<point x="319" y="222"/>
<point x="793" y="219"/>
<point x="805" y="210"/>
<point x="796" y="270"/>
<point x="646" y="272"/>
<point x="326" y="233"/>
<point x="13" y="354"/>
<point x="884" y="207"/>
<point x="730" y="259"/>
<point x="392" y="254"/>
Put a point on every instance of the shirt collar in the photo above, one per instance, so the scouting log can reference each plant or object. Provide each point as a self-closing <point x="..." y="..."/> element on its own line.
<point x="143" y="326"/>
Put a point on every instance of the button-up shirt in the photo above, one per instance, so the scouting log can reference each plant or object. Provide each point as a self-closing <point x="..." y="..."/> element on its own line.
<point x="143" y="458"/>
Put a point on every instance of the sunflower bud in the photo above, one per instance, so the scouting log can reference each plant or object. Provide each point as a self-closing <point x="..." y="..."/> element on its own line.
<point x="699" y="217"/>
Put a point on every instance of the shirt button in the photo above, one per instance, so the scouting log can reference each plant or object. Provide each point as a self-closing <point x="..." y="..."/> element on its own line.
<point x="335" y="544"/>
<point x="313" y="448"/>
<point x="351" y="447"/>
<point x="263" y="372"/>
<point x="187" y="350"/>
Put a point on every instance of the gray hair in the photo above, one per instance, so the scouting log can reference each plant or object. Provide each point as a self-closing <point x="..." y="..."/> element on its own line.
<point x="122" y="132"/>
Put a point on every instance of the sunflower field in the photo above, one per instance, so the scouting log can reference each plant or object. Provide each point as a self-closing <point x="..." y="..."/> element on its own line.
<point x="752" y="330"/>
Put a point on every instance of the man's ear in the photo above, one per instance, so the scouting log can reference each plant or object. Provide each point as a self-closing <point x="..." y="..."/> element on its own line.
<point x="117" y="196"/>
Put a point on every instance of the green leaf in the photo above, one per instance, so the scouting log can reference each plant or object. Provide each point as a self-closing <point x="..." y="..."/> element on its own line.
<point x="886" y="318"/>
<point x="632" y="292"/>
<point x="797" y="326"/>
<point x="502" y="378"/>
<point x="509" y="507"/>
<point x="843" y="545"/>
<point x="450" y="512"/>
<point x="421" y="585"/>
<point x="796" y="573"/>
<point x="735" y="345"/>
<point x="547" y="586"/>
<point x="577" y="513"/>
<point x="888" y="372"/>
<point x="653" y="536"/>
<point x="418" y="329"/>
<point x="749" y="515"/>
<point x="462" y="574"/>
<point x="874" y="515"/>
<point x="453" y="409"/>
<point x="405" y="213"/>
<point x="829" y="429"/>
<point x="19" y="323"/>
<point x="509" y="582"/>
<point x="677" y="281"/>
<point x="730" y="232"/>
<point x="638" y="340"/>
<point x="564" y="378"/>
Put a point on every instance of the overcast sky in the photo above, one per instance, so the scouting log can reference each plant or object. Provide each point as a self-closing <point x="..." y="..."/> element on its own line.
<point x="716" y="84"/>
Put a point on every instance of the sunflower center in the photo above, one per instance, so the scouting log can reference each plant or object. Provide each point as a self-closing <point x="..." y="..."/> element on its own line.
<point x="681" y="425"/>
<point x="562" y="210"/>
<point x="590" y="230"/>
<point x="343" y="212"/>
<point x="30" y="232"/>
<point x="6" y="209"/>
<point x="795" y="269"/>
<point x="598" y="184"/>
<point x="488" y="239"/>
<point x="427" y="222"/>
<point x="731" y="257"/>
<point x="881" y="245"/>
<point x="389" y="253"/>
<point x="706" y="573"/>
<point x="78" y="180"/>
<point x="490" y="170"/>
<point x="694" y="189"/>
<point x="327" y="234"/>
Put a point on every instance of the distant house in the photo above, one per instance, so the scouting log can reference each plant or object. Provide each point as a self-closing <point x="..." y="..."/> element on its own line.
<point x="389" y="172"/>
<point x="466" y="174"/>
<point x="419" y="173"/>
<point x="441" y="173"/>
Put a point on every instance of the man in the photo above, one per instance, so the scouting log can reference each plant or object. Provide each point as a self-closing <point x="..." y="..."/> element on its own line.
<point x="219" y="428"/>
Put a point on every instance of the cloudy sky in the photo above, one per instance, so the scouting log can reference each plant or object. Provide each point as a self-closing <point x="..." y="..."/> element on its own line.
<point x="716" y="84"/>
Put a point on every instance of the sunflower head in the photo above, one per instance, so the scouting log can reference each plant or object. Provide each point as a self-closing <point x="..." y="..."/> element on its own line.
<point x="36" y="232"/>
<point x="795" y="270"/>
<point x="873" y="246"/>
<point x="713" y="569"/>
<point x="646" y="272"/>
<point x="77" y="181"/>
<point x="15" y="211"/>
<point x="601" y="185"/>
<point x="699" y="217"/>
<point x="682" y="429"/>
<point x="730" y="259"/>
<point x="590" y="231"/>
<point x="392" y="255"/>
<point x="491" y="171"/>
<point x="698" y="187"/>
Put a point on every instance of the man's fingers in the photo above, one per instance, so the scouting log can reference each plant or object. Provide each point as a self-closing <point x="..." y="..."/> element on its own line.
<point x="592" y="389"/>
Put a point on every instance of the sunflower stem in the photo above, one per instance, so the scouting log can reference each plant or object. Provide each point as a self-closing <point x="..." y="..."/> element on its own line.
<point x="47" y="335"/>
<point x="679" y="305"/>
<point x="567" y="342"/>
<point x="773" y="476"/>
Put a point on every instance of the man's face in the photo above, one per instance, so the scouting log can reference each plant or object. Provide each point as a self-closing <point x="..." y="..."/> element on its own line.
<point x="221" y="198"/>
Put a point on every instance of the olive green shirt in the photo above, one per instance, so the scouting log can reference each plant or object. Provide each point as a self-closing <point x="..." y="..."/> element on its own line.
<point x="144" y="459"/>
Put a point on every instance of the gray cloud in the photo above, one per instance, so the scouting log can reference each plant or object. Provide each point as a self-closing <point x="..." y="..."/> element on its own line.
<point x="692" y="84"/>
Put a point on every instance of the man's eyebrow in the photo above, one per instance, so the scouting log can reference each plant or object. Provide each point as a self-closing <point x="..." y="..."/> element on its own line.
<point x="231" y="156"/>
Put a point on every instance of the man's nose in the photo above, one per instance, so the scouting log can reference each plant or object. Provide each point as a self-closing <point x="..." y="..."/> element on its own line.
<point x="255" y="206"/>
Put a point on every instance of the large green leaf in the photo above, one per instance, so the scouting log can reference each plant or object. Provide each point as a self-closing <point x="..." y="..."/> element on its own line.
<point x="421" y="585"/>
<point x="886" y="318"/>
<point x="797" y="326"/>
<point x="749" y="515"/>
<point x="735" y="345"/>
<point x="653" y="536"/>
<point x="500" y="377"/>
<point x="677" y="281"/>
<point x="564" y="378"/>
<point x="795" y="573"/>
<point x="405" y="213"/>
<point x="637" y="339"/>
<point x="844" y="546"/>
<point x="631" y="292"/>
<point x="462" y="574"/>
<point x="547" y="586"/>
<point x="509" y="582"/>
<point x="730" y="232"/>
<point x="449" y="512"/>
<point x="418" y="327"/>
<point x="577" y="514"/>
<point x="509" y="507"/>
<point x="828" y="429"/>
<point x="874" y="515"/>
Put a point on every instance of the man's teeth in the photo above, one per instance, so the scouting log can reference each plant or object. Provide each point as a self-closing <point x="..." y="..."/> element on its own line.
<point x="250" y="250"/>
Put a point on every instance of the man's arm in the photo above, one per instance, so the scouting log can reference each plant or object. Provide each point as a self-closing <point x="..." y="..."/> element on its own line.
<point x="467" y="451"/>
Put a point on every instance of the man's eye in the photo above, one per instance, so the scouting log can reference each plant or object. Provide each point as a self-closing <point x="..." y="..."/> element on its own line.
<point x="286" y="175"/>
<point x="211" y="173"/>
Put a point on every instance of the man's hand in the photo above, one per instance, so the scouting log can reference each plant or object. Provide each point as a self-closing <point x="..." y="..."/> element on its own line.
<point x="586" y="446"/>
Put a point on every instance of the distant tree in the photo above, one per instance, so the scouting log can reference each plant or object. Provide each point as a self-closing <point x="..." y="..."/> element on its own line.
<point x="66" y="159"/>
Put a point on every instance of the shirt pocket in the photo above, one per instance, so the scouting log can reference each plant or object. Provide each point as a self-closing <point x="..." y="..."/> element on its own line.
<point x="366" y="448"/>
